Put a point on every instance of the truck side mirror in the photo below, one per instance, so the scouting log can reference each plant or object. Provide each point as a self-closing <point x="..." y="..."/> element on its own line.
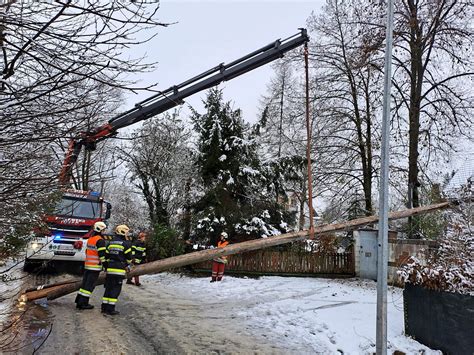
<point x="108" y="210"/>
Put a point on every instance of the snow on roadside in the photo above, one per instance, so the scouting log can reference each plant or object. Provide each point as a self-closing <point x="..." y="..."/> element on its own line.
<point x="320" y="315"/>
<point x="11" y="275"/>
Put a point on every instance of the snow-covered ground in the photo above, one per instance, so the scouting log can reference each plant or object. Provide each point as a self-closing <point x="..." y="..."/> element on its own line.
<point x="11" y="280"/>
<point x="319" y="315"/>
<point x="181" y="314"/>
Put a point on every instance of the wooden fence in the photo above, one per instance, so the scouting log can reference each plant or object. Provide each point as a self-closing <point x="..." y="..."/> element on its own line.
<point x="287" y="262"/>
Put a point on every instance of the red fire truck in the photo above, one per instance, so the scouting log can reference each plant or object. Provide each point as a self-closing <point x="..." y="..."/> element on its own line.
<point x="68" y="228"/>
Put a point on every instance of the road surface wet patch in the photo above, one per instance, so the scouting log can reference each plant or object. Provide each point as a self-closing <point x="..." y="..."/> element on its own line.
<point x="37" y="326"/>
<point x="28" y="327"/>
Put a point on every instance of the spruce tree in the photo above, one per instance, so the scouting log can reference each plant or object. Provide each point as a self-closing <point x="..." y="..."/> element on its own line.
<point x="233" y="198"/>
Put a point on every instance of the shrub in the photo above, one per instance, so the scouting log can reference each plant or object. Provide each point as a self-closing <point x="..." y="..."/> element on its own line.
<point x="163" y="243"/>
<point x="451" y="267"/>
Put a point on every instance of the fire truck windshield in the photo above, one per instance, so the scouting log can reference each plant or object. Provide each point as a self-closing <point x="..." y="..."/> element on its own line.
<point x="78" y="208"/>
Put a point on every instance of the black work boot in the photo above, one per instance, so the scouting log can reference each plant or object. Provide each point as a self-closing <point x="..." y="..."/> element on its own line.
<point x="84" y="306"/>
<point x="81" y="301"/>
<point x="111" y="310"/>
<point x="103" y="308"/>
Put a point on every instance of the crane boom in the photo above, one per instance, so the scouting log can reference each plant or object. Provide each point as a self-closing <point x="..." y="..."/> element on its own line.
<point x="175" y="95"/>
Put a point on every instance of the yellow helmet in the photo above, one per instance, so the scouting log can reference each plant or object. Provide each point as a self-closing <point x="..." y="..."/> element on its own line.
<point x="122" y="230"/>
<point x="100" y="226"/>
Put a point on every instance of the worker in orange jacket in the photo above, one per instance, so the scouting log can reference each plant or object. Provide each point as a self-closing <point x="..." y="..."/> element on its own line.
<point x="95" y="256"/>
<point x="218" y="264"/>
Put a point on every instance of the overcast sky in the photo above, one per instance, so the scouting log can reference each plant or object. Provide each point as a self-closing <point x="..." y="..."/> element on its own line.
<point x="207" y="33"/>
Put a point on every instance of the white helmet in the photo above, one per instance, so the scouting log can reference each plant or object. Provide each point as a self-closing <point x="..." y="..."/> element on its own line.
<point x="224" y="235"/>
<point x="122" y="230"/>
<point x="100" y="227"/>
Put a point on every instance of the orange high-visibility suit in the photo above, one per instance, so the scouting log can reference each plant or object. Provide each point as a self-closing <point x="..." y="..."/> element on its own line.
<point x="218" y="264"/>
<point x="95" y="256"/>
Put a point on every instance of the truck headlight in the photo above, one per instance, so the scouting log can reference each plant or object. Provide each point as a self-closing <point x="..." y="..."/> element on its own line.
<point x="36" y="245"/>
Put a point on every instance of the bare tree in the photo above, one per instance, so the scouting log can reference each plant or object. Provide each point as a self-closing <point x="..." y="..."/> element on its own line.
<point x="280" y="131"/>
<point x="128" y="206"/>
<point x="345" y="59"/>
<point x="57" y="61"/>
<point x="432" y="80"/>
<point x="160" y="166"/>
<point x="97" y="166"/>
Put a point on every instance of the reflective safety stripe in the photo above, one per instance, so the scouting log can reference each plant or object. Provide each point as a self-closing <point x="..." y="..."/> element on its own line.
<point x="92" y="261"/>
<point x="128" y="251"/>
<point x="92" y="257"/>
<point x="116" y="246"/>
<point x="91" y="247"/>
<point x="115" y="271"/>
<point x="93" y="264"/>
<point x="108" y="300"/>
<point x="101" y="248"/>
<point x="138" y="260"/>
<point x="140" y="248"/>
<point x="84" y="293"/>
<point x="93" y="267"/>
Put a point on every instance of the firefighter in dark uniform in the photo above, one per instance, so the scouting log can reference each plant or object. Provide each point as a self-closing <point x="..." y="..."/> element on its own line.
<point x="95" y="256"/>
<point x="139" y="255"/>
<point x="119" y="259"/>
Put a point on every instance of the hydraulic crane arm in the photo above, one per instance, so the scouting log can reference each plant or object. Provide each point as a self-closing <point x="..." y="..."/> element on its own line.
<point x="175" y="95"/>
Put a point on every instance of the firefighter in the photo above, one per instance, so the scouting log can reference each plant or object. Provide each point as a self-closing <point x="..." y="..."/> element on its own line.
<point x="218" y="264"/>
<point x="95" y="256"/>
<point x="139" y="255"/>
<point x="119" y="259"/>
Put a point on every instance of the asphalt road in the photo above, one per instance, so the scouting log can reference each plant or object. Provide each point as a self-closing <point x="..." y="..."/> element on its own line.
<point x="153" y="320"/>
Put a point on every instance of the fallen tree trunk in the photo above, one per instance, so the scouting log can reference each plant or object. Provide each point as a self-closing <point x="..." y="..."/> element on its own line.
<point x="42" y="287"/>
<point x="199" y="256"/>
<point x="47" y="286"/>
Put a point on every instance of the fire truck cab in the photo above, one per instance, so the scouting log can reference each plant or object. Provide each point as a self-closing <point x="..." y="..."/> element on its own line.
<point x="69" y="226"/>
